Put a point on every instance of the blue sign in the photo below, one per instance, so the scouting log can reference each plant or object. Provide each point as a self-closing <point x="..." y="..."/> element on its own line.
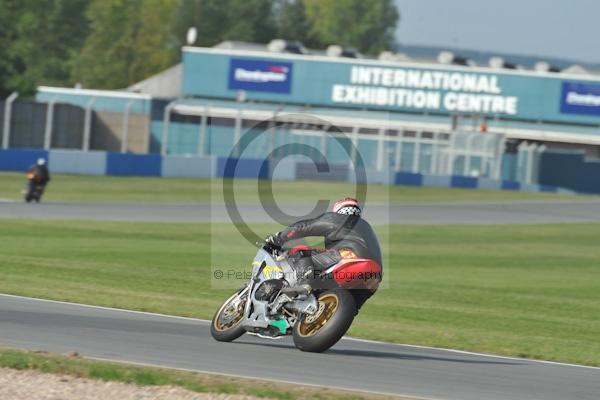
<point x="260" y="75"/>
<point x="580" y="98"/>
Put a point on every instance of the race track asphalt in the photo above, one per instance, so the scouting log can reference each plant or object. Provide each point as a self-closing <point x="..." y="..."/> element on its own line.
<point x="524" y="212"/>
<point x="359" y="365"/>
<point x="351" y="364"/>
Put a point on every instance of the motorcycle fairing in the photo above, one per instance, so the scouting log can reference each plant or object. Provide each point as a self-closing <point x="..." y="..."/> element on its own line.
<point x="265" y="267"/>
<point x="352" y="273"/>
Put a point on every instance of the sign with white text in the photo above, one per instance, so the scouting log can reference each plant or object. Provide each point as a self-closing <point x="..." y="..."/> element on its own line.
<point x="424" y="90"/>
<point x="260" y="75"/>
<point x="580" y="98"/>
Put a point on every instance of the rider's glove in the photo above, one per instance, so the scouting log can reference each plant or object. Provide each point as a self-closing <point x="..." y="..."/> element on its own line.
<point x="273" y="240"/>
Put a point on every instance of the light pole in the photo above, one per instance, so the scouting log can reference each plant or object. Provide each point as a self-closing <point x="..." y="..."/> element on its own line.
<point x="7" y="114"/>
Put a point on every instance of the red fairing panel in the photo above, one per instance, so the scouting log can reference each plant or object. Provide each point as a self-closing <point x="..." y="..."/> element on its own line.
<point x="298" y="248"/>
<point x="358" y="272"/>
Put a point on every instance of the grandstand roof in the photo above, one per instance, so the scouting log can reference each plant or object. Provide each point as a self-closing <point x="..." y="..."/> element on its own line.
<point x="407" y="55"/>
<point x="164" y="84"/>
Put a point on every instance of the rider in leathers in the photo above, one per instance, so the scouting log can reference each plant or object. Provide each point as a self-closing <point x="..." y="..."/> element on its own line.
<point x="346" y="235"/>
<point x="39" y="172"/>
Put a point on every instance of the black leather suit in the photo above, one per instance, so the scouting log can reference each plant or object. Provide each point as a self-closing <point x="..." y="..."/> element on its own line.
<point x="341" y="232"/>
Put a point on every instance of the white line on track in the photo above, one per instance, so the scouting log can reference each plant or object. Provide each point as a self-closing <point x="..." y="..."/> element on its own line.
<point x="107" y="308"/>
<point x="205" y="321"/>
<point x="416" y="346"/>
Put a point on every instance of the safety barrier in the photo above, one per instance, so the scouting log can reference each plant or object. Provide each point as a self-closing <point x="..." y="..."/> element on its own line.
<point x="196" y="167"/>
<point x="123" y="164"/>
<point x="465" y="182"/>
<point x="20" y="160"/>
<point x="77" y="162"/>
<point x="309" y="171"/>
<point x="570" y="170"/>
<point x="228" y="167"/>
<point x="126" y="164"/>
<point x="468" y="182"/>
<point x="408" y="178"/>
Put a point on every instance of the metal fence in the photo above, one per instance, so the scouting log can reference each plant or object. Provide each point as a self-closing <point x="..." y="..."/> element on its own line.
<point x="377" y="144"/>
<point x="53" y="125"/>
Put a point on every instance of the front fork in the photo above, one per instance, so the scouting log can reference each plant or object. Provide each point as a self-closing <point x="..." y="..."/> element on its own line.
<point x="248" y="289"/>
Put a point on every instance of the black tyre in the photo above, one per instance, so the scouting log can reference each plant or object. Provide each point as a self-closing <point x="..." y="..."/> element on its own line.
<point x="226" y="323"/>
<point x="316" y="333"/>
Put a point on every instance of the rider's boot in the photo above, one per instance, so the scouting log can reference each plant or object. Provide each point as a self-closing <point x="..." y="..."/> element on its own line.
<point x="295" y="291"/>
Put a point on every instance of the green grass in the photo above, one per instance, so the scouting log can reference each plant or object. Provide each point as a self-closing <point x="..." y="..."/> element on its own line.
<point x="74" y="188"/>
<point x="519" y="290"/>
<point x="147" y="376"/>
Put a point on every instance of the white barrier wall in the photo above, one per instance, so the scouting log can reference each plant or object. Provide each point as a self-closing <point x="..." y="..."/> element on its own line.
<point x="77" y="162"/>
<point x="199" y="167"/>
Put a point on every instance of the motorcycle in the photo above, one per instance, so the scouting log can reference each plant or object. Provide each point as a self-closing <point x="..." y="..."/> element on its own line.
<point x="273" y="304"/>
<point x="33" y="190"/>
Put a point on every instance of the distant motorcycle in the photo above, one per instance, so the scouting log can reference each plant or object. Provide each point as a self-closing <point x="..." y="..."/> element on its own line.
<point x="34" y="189"/>
<point x="273" y="305"/>
<point x="38" y="177"/>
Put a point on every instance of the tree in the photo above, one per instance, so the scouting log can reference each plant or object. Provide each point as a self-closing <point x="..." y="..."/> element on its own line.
<point x="115" y="43"/>
<point x="129" y="41"/>
<point x="367" y="25"/>
<point x="36" y="42"/>
<point x="250" y="20"/>
<point x="215" y="21"/>
<point x="292" y="23"/>
<point x="7" y="35"/>
<point x="133" y="39"/>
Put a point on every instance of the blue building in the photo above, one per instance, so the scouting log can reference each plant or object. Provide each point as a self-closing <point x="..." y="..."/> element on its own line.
<point x="392" y="113"/>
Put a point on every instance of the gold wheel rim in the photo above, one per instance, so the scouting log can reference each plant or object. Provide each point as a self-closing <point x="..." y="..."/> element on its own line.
<point x="310" y="325"/>
<point x="230" y="310"/>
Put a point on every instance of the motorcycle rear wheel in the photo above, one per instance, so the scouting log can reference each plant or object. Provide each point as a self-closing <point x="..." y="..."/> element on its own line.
<point x="317" y="333"/>
<point x="226" y="323"/>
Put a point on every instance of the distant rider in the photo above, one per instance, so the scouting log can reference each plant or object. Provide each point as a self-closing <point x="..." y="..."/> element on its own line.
<point x="38" y="174"/>
<point x="346" y="235"/>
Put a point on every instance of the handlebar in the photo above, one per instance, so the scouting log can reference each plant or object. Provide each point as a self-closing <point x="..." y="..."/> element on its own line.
<point x="275" y="250"/>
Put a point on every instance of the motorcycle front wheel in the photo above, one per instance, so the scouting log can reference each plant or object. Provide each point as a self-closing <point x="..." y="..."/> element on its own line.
<point x="318" y="332"/>
<point x="226" y="323"/>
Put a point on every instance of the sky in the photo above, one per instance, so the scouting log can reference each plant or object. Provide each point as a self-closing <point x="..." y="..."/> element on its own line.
<point x="553" y="28"/>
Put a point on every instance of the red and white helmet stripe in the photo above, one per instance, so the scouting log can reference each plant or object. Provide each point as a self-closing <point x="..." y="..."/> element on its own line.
<point x="347" y="206"/>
